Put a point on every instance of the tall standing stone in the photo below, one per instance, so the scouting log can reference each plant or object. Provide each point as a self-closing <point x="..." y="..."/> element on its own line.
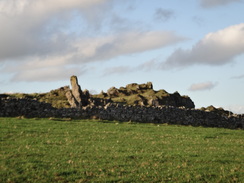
<point x="76" y="90"/>
<point x="76" y="97"/>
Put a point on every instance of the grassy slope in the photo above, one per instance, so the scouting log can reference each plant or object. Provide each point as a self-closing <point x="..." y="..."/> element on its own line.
<point x="42" y="150"/>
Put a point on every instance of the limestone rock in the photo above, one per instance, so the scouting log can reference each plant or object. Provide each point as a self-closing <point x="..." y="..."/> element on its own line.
<point x="113" y="92"/>
<point x="76" y="90"/>
<point x="71" y="99"/>
<point x="132" y="86"/>
<point x="153" y="102"/>
<point x="76" y="97"/>
<point x="148" y="85"/>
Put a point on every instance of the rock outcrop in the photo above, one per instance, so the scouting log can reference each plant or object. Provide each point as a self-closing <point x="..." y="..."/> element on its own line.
<point x="144" y="95"/>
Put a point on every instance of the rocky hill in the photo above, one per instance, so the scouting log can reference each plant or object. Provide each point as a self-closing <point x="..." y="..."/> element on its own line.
<point x="144" y="95"/>
<point x="135" y="102"/>
<point x="132" y="94"/>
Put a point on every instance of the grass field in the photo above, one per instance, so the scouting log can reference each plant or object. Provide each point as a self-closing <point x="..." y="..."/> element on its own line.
<point x="43" y="150"/>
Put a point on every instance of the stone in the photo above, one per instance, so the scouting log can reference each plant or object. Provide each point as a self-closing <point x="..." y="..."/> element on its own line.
<point x="113" y="92"/>
<point x="80" y="98"/>
<point x="146" y="86"/>
<point x="132" y="86"/>
<point x="149" y="85"/>
<point x="71" y="99"/>
<point x="76" y="90"/>
<point x="153" y="102"/>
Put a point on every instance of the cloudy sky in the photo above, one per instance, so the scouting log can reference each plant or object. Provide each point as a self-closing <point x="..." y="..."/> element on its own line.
<point x="195" y="47"/>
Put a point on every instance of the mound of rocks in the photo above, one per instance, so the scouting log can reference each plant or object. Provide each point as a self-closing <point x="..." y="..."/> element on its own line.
<point x="144" y="95"/>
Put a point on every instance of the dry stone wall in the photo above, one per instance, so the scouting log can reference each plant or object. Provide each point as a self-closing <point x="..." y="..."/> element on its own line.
<point x="111" y="111"/>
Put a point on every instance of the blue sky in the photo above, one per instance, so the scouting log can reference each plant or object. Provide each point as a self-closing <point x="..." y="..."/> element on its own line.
<point x="195" y="47"/>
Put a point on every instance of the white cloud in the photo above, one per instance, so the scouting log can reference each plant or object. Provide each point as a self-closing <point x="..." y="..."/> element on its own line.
<point x="217" y="48"/>
<point x="87" y="50"/>
<point x="29" y="27"/>
<point x="213" y="3"/>
<point x="146" y="66"/>
<point x="47" y="74"/>
<point x="39" y="8"/>
<point x="202" y="86"/>
<point x="101" y="48"/>
<point x="44" y="69"/>
<point x="37" y="36"/>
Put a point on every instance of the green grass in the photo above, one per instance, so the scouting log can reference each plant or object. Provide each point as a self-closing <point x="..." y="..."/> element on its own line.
<point x="42" y="150"/>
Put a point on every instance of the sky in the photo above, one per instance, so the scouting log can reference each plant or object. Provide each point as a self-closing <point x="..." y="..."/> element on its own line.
<point x="195" y="47"/>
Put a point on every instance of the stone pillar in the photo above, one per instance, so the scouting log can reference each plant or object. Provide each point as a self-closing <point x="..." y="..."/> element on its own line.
<point x="76" y="90"/>
<point x="75" y="96"/>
